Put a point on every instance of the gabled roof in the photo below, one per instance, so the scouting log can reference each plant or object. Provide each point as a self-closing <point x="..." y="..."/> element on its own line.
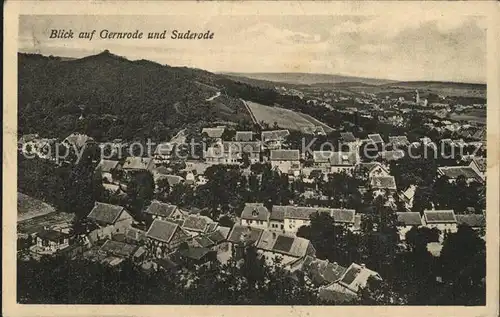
<point x="343" y="159"/>
<point x="375" y="138"/>
<point x="219" y="235"/>
<point x="274" y="135"/>
<point x="409" y="218"/>
<point x="383" y="182"/>
<point x="213" y="132"/>
<point x="173" y="179"/>
<point x="158" y="208"/>
<point x="137" y="163"/>
<point x="347" y="137"/>
<point x="439" y="216"/>
<point x="255" y="211"/>
<point x="284" y="244"/>
<point x="454" y="172"/>
<point x="244" y="136"/>
<point x="472" y="220"/>
<point x="356" y="277"/>
<point x="197" y="223"/>
<point x="241" y="233"/>
<point x="305" y="213"/>
<point x="277" y="214"/>
<point x="285" y="155"/>
<point x="105" y="213"/>
<point x="163" y="230"/>
<point x="107" y="165"/>
<point x="322" y="271"/>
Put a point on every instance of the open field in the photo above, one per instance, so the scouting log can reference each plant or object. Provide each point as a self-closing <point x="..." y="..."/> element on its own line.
<point x="476" y="115"/>
<point x="29" y="207"/>
<point x="286" y="119"/>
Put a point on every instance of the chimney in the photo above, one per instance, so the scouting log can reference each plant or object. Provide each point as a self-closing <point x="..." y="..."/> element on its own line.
<point x="363" y="266"/>
<point x="335" y="263"/>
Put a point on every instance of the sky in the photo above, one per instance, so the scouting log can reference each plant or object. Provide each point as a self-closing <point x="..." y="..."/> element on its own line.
<point x="398" y="47"/>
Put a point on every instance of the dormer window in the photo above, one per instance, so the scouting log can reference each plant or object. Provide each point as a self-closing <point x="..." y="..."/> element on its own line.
<point x="255" y="212"/>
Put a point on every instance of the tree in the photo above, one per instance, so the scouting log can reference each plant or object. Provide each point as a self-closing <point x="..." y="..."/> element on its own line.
<point x="140" y="191"/>
<point x="331" y="241"/>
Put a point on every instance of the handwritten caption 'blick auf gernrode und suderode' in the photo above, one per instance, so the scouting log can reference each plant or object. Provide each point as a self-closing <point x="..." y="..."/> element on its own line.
<point x="134" y="35"/>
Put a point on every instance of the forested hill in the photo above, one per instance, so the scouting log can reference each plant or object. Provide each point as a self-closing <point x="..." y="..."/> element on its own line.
<point x="107" y="96"/>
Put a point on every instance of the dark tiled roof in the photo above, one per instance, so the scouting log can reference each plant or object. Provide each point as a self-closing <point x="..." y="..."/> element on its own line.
<point x="305" y="213"/>
<point x="162" y="230"/>
<point x="52" y="235"/>
<point x="117" y="248"/>
<point x="255" y="211"/>
<point x="160" y="209"/>
<point x="409" y="218"/>
<point x="219" y="235"/>
<point x="243" y="233"/>
<point x="196" y="223"/>
<point x="195" y="253"/>
<point x="439" y="216"/>
<point x="277" y="214"/>
<point x="383" y="182"/>
<point x="285" y="155"/>
<point x="283" y="243"/>
<point x="244" y="136"/>
<point x="105" y="213"/>
<point x="472" y="220"/>
<point x="347" y="137"/>
<point x="343" y="215"/>
<point x="323" y="272"/>
<point x="204" y="242"/>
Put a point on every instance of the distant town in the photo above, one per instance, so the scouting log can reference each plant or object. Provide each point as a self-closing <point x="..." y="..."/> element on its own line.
<point x="350" y="194"/>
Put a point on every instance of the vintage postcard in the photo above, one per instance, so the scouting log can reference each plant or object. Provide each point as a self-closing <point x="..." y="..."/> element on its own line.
<point x="282" y="158"/>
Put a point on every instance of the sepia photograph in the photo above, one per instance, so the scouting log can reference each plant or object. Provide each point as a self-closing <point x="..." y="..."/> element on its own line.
<point x="261" y="159"/>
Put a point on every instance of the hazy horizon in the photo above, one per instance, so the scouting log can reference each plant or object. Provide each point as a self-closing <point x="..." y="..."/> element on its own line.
<point x="420" y="48"/>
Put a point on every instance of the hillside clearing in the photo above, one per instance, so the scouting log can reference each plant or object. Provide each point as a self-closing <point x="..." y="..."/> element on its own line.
<point x="284" y="118"/>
